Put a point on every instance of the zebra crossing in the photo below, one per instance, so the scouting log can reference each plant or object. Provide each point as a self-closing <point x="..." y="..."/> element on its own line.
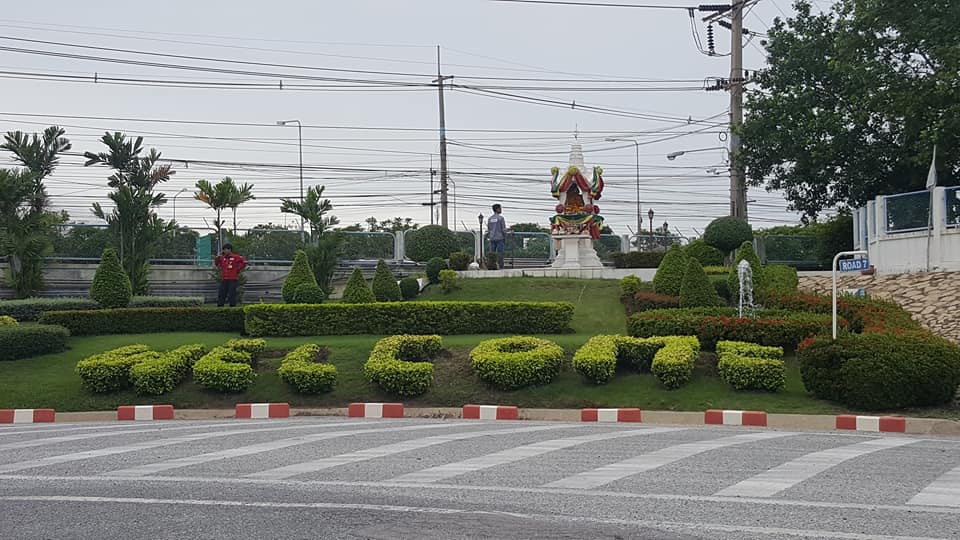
<point x="609" y="460"/>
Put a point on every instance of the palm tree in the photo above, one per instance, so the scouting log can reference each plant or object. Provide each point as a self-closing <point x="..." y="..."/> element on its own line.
<point x="217" y="197"/>
<point x="238" y="195"/>
<point x="313" y="209"/>
<point x="40" y="156"/>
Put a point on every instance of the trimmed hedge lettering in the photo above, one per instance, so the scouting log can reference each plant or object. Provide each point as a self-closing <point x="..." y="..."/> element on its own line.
<point x="673" y="363"/>
<point x="159" y="375"/>
<point x="224" y="370"/>
<point x="303" y="369"/>
<point x="401" y="364"/>
<point x="516" y="362"/>
<point x="110" y="371"/>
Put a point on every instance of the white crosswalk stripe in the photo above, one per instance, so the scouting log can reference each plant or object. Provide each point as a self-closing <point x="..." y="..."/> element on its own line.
<point x="778" y="479"/>
<point x="646" y="462"/>
<point x="944" y="491"/>
<point x="31" y="443"/>
<point x="519" y="453"/>
<point x="384" y="451"/>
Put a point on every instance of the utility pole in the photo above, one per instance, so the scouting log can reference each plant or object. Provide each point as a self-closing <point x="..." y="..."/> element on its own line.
<point x="738" y="185"/>
<point x="432" y="173"/>
<point x="443" y="147"/>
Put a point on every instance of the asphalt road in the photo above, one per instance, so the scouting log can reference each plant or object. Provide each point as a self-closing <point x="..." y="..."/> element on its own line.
<point x="433" y="479"/>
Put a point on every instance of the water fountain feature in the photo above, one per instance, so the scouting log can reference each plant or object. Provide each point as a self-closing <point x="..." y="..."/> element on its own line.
<point x="745" y="279"/>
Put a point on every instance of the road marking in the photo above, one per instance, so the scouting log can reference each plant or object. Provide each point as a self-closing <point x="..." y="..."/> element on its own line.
<point x="944" y="491"/>
<point x="383" y="451"/>
<point x="653" y="460"/>
<point x="673" y="526"/>
<point x="153" y="468"/>
<point x="146" y="445"/>
<point x="450" y="470"/>
<point x="780" y="478"/>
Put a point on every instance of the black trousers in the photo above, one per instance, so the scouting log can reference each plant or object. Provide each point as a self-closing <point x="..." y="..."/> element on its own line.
<point x="227" y="291"/>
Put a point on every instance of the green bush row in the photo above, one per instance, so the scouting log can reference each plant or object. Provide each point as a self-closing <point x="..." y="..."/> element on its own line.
<point x="6" y="320"/>
<point x="673" y="364"/>
<point x="516" y="362"/>
<point x="147" y="320"/>
<point x="444" y="318"/>
<point x="224" y="370"/>
<point x="401" y="364"/>
<point x="110" y="371"/>
<point x="30" y="309"/>
<point x="303" y="369"/>
<point x="598" y="358"/>
<point x="747" y="366"/>
<point x="636" y="259"/>
<point x="742" y="348"/>
<point x="18" y="341"/>
<point x="161" y="374"/>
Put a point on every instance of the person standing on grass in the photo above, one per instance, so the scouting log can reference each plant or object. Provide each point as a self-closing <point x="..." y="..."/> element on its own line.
<point x="230" y="265"/>
<point x="497" y="233"/>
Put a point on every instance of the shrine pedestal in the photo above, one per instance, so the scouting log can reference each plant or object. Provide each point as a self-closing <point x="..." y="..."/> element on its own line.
<point x="576" y="251"/>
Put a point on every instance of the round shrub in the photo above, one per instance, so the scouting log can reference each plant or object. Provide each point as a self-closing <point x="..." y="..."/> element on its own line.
<point x="385" y="288"/>
<point x="460" y="260"/>
<point x="705" y="253"/>
<point x="449" y="281"/>
<point x="726" y="233"/>
<point x="308" y="293"/>
<point x="299" y="274"/>
<point x="431" y="241"/>
<point x="401" y="364"/>
<point x="669" y="276"/>
<point x="6" y="320"/>
<point x="434" y="266"/>
<point x="357" y="291"/>
<point x="111" y="287"/>
<point x="516" y="362"/>
<point x="696" y="289"/>
<point x="409" y="288"/>
<point x="304" y="370"/>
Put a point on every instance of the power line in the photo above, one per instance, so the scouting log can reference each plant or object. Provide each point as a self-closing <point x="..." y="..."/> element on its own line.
<point x="591" y="4"/>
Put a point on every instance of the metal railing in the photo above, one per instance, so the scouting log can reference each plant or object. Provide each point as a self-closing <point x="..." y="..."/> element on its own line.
<point x="907" y="212"/>
<point x="952" y="201"/>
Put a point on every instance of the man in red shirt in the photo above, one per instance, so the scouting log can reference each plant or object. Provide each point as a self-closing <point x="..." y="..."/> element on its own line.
<point x="230" y="265"/>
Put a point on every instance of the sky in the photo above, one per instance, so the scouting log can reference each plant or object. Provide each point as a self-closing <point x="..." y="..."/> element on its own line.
<point x="206" y="82"/>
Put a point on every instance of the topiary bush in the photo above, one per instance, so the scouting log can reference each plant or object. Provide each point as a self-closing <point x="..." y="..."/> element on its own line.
<point x="434" y="266"/>
<point x="636" y="259"/>
<point x="647" y="300"/>
<point x="303" y="369"/>
<point x="308" y="293"/>
<point x="669" y="276"/>
<point x="254" y="347"/>
<point x="224" y="370"/>
<point x="747" y="253"/>
<point x="460" y="260"/>
<point x="597" y="360"/>
<point x="401" y="365"/>
<point x="492" y="261"/>
<point x="30" y="309"/>
<point x="358" y="291"/>
<point x="726" y="233"/>
<point x="110" y="371"/>
<point x="409" y="288"/>
<point x="385" y="288"/>
<point x="159" y="375"/>
<point x="431" y="241"/>
<point x="752" y="373"/>
<point x="705" y="253"/>
<point x="673" y="363"/>
<point x="630" y="285"/>
<point x="516" y="362"/>
<point x="300" y="273"/>
<point x="6" y="320"/>
<point x="742" y="348"/>
<point x="696" y="289"/>
<point x="111" y="287"/>
<point x="778" y="280"/>
<point x="19" y="341"/>
<point x="449" y="281"/>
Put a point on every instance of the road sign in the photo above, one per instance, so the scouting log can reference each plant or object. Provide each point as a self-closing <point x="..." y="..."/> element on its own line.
<point x="854" y="265"/>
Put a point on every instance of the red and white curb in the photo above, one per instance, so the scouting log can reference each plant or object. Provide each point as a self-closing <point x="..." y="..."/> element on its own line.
<point x="26" y="416"/>
<point x="376" y="410"/>
<point x="887" y="424"/>
<point x="735" y="418"/>
<point x="262" y="410"/>
<point x="610" y="415"/>
<point x="490" y="412"/>
<point x="145" y="412"/>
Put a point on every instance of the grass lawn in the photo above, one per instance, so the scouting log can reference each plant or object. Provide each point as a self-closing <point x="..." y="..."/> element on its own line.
<point x="50" y="381"/>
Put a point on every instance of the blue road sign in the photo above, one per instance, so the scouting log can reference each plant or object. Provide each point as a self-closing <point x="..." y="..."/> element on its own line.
<point x="854" y="265"/>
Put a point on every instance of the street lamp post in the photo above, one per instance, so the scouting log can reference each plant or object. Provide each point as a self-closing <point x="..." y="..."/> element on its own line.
<point x="674" y="155"/>
<point x="636" y="146"/>
<point x="300" y="146"/>
<point x="175" y="203"/>
<point x="480" y="219"/>
<point x="650" y="215"/>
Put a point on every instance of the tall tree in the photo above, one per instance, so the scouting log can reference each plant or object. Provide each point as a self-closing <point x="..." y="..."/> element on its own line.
<point x="133" y="220"/>
<point x="397" y="224"/>
<point x="314" y="210"/>
<point x="27" y="228"/>
<point x="854" y="100"/>
<point x="239" y="194"/>
<point x="218" y="197"/>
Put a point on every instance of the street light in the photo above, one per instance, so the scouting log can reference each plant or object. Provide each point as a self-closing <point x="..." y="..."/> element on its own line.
<point x="674" y="155"/>
<point x="175" y="203"/>
<point x="637" y="147"/>
<point x="650" y="214"/>
<point x="300" y="144"/>
<point x="480" y="219"/>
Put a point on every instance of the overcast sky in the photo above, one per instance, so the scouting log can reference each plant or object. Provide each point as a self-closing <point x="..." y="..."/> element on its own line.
<point x="372" y="146"/>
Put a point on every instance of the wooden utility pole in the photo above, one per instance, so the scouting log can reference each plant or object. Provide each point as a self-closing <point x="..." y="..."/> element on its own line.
<point x="738" y="185"/>
<point x="443" y="146"/>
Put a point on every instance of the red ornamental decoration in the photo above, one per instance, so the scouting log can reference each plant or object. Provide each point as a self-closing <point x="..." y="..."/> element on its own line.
<point x="559" y="208"/>
<point x="596" y="209"/>
<point x="588" y="208"/>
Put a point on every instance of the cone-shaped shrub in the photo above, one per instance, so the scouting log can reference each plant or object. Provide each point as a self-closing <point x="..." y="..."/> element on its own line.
<point x="300" y="273"/>
<point x="745" y="252"/>
<point x="357" y="291"/>
<point x="696" y="289"/>
<point x="111" y="287"/>
<point x="385" y="288"/>
<point x="669" y="274"/>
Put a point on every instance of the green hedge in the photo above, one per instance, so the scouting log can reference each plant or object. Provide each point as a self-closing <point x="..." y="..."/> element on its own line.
<point x="636" y="259"/>
<point x="110" y="371"/>
<point x="673" y="363"/>
<point x="159" y="375"/>
<point x="444" y="318"/>
<point x="224" y="370"/>
<point x="881" y="371"/>
<point x="146" y="320"/>
<point x="304" y="370"/>
<point x="705" y="253"/>
<point x="751" y="373"/>
<point x="598" y="358"/>
<point x="357" y="290"/>
<point x="516" y="362"/>
<point x="710" y="325"/>
<point x="6" y="320"/>
<point x="696" y="289"/>
<point x="30" y="309"/>
<point x="434" y="266"/>
<point x="19" y="341"/>
<point x="165" y="301"/>
<point x="742" y="348"/>
<point x="401" y="364"/>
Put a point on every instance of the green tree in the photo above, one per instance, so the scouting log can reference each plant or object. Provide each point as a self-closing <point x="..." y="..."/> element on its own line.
<point x="313" y="210"/>
<point x="218" y="197"/>
<point x="26" y="225"/>
<point x="111" y="287"/>
<point x="300" y="274"/>
<point x="854" y="100"/>
<point x="669" y="276"/>
<point x="135" y="225"/>
<point x="696" y="289"/>
<point x="727" y="233"/>
<point x="385" y="287"/>
<point x="239" y="194"/>
<point x="358" y="291"/>
<point x="397" y="224"/>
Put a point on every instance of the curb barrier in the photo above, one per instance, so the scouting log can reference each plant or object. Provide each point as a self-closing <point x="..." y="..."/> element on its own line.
<point x="610" y="415"/>
<point x="145" y="412"/>
<point x="886" y="424"/>
<point x="262" y="410"/>
<point x="26" y="416"/>
<point x="375" y="410"/>
<point x="735" y="418"/>
<point x="490" y="412"/>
